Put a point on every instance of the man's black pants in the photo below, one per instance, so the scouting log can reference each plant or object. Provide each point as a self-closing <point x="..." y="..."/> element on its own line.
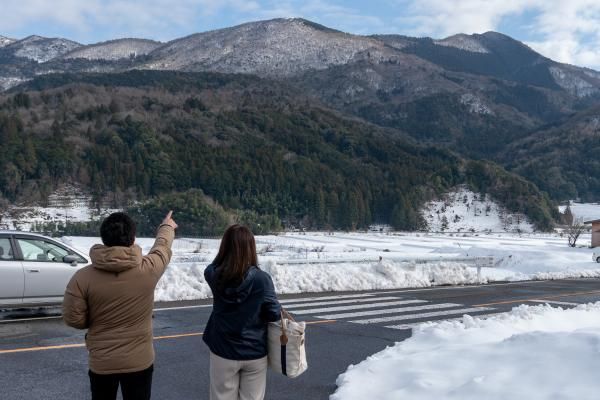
<point x="134" y="385"/>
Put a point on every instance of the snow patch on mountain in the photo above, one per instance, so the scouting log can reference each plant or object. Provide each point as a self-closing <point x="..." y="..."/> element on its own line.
<point x="591" y="73"/>
<point x="114" y="49"/>
<point x="475" y="104"/>
<point x="572" y="82"/>
<point x="463" y="42"/>
<point x="41" y="49"/>
<point x="7" y="82"/>
<point x="4" y="41"/>
<point x="461" y="210"/>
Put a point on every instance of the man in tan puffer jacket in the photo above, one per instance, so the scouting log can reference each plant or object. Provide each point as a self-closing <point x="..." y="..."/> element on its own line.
<point x="113" y="299"/>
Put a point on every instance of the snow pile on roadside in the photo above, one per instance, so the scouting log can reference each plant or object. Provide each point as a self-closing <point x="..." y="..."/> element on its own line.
<point x="183" y="282"/>
<point x="529" y="353"/>
<point x="186" y="281"/>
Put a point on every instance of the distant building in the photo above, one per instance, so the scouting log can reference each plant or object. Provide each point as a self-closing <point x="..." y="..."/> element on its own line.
<point x="595" y="232"/>
<point x="380" y="228"/>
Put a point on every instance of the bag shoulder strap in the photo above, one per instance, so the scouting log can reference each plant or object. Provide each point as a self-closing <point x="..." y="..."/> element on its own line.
<point x="284" y="317"/>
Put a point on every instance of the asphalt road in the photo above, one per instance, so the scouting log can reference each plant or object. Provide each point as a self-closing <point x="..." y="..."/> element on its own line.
<point x="40" y="358"/>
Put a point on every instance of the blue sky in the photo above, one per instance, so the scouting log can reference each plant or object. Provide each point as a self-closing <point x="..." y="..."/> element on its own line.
<point x="568" y="31"/>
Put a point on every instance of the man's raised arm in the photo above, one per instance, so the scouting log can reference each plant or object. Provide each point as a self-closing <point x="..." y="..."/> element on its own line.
<point x="160" y="255"/>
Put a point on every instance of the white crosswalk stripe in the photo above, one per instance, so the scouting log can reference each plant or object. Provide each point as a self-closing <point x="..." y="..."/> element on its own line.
<point x="333" y="302"/>
<point x="383" y="309"/>
<point x="388" y="311"/>
<point x="417" y="324"/>
<point x="421" y="316"/>
<point x="357" y="307"/>
<point x="338" y="297"/>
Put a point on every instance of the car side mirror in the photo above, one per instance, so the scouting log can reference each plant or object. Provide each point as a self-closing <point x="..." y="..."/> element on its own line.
<point x="71" y="259"/>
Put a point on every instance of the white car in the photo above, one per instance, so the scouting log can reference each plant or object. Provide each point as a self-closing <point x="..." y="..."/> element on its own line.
<point x="34" y="269"/>
<point x="596" y="256"/>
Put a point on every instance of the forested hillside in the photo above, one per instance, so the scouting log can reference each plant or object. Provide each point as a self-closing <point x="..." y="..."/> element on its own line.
<point x="256" y="149"/>
<point x="481" y="96"/>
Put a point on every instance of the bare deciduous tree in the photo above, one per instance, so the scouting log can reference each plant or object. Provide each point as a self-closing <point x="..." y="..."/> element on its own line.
<point x="574" y="229"/>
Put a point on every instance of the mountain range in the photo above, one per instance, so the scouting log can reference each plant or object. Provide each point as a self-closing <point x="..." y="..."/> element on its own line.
<point x="482" y="96"/>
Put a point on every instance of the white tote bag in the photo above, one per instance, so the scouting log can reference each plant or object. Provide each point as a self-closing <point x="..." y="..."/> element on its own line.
<point x="287" y="346"/>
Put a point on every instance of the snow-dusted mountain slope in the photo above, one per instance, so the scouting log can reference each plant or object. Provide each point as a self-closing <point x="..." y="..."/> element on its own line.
<point x="7" y="82"/>
<point x="574" y="81"/>
<point x="465" y="211"/>
<point x="41" y="49"/>
<point x="4" y="41"/>
<point x="463" y="42"/>
<point x="277" y="47"/>
<point x="114" y="49"/>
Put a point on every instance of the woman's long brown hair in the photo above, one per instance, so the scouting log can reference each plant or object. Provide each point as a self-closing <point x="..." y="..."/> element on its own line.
<point x="237" y="254"/>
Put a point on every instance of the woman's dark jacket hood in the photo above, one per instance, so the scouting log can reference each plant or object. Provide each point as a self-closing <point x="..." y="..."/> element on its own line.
<point x="237" y="328"/>
<point x="237" y="294"/>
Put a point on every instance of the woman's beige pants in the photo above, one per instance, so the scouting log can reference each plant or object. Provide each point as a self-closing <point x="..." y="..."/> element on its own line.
<point x="237" y="380"/>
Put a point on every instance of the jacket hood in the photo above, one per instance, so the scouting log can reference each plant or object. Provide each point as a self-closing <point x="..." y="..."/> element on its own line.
<point x="116" y="258"/>
<point x="233" y="294"/>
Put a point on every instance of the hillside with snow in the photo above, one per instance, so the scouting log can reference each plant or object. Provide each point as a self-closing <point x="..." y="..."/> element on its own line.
<point x="463" y="42"/>
<point x="68" y="204"/>
<point x="464" y="211"/>
<point x="114" y="49"/>
<point x="4" y="41"/>
<point x="40" y="49"/>
<point x="279" y="47"/>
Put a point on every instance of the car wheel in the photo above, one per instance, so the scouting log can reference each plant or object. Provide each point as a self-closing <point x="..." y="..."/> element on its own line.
<point x="598" y="260"/>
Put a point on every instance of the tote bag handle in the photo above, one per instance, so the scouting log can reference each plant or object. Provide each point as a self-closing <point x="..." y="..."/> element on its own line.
<point x="284" y="314"/>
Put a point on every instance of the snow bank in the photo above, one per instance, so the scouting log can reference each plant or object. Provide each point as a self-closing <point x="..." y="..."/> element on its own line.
<point x="317" y="262"/>
<point x="186" y="281"/>
<point x="530" y="353"/>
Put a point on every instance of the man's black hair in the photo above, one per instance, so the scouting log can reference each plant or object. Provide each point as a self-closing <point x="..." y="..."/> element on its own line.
<point x="118" y="229"/>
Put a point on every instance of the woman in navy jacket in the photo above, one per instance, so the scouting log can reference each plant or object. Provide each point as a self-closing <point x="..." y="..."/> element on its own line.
<point x="244" y="302"/>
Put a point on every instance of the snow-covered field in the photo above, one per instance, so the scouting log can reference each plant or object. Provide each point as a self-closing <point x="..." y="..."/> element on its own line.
<point x="316" y="262"/>
<point x="472" y="225"/>
<point x="534" y="353"/>
<point x="583" y="211"/>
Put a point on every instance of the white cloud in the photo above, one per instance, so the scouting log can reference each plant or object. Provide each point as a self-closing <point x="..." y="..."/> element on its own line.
<point x="567" y="31"/>
<point x="166" y="19"/>
<point x="154" y="18"/>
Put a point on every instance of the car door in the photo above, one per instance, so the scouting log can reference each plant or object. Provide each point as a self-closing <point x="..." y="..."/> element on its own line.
<point x="45" y="270"/>
<point x="12" y="279"/>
